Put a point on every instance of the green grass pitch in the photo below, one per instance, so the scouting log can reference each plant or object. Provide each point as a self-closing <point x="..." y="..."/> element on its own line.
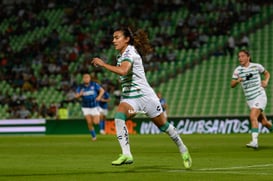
<point x="76" y="157"/>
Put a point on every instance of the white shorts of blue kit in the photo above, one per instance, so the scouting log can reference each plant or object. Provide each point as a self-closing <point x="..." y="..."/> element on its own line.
<point x="94" y="111"/>
<point x="103" y="111"/>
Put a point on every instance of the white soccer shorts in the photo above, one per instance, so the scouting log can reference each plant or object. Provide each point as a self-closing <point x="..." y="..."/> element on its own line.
<point x="94" y="111"/>
<point x="259" y="102"/>
<point x="146" y="104"/>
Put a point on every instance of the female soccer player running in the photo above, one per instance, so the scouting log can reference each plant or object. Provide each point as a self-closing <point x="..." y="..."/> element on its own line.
<point x="248" y="75"/>
<point x="91" y="93"/>
<point x="137" y="94"/>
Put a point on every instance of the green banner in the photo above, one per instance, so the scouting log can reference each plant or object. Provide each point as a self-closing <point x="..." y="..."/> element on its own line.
<point x="66" y="126"/>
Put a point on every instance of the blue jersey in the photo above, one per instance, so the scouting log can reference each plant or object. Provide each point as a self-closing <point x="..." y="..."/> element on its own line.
<point x="162" y="102"/>
<point x="90" y="92"/>
<point x="104" y="105"/>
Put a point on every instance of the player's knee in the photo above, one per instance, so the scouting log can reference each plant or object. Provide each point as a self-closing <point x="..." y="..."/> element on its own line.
<point x="120" y="115"/>
<point x="164" y="127"/>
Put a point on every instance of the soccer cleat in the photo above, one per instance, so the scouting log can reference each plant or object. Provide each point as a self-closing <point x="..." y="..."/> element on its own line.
<point x="252" y="145"/>
<point x="123" y="159"/>
<point x="94" y="138"/>
<point x="102" y="132"/>
<point x="187" y="160"/>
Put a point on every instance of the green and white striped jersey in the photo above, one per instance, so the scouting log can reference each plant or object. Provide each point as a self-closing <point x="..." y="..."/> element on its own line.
<point x="251" y="82"/>
<point x="134" y="84"/>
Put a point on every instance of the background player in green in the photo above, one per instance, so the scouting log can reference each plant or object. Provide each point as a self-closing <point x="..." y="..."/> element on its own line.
<point x="248" y="75"/>
<point x="137" y="94"/>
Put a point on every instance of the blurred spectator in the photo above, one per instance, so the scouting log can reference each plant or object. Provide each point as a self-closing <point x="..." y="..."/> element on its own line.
<point x="171" y="54"/>
<point x="52" y="111"/>
<point x="21" y="96"/>
<point x="74" y="53"/>
<point x="27" y="86"/>
<point x="203" y="37"/>
<point x="62" y="112"/>
<point x="32" y="105"/>
<point x="18" y="81"/>
<point x="44" y="81"/>
<point x="244" y="41"/>
<point x="219" y="52"/>
<point x="254" y="7"/>
<point x="43" y="110"/>
<point x="7" y="99"/>
<point x="2" y="98"/>
<point x="70" y="96"/>
<point x="230" y="45"/>
<point x="22" y="112"/>
<point x="65" y="83"/>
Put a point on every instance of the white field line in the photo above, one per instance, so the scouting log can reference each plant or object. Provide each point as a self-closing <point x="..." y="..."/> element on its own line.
<point x="227" y="169"/>
<point x="235" y="168"/>
<point x="220" y="172"/>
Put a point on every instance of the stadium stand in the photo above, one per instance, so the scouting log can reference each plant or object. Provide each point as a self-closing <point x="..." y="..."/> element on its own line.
<point x="44" y="60"/>
<point x="205" y="89"/>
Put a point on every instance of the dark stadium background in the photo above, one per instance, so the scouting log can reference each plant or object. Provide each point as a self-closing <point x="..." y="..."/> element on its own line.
<point x="46" y="45"/>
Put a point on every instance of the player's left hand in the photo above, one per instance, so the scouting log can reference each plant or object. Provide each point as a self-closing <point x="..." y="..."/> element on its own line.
<point x="264" y="83"/>
<point x="97" y="62"/>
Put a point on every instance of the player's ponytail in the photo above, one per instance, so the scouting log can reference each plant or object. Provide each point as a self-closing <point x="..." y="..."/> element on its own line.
<point x="138" y="38"/>
<point x="141" y="42"/>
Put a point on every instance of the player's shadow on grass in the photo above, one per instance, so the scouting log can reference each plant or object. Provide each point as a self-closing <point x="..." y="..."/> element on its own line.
<point x="119" y="170"/>
<point x="152" y="169"/>
<point x="263" y="147"/>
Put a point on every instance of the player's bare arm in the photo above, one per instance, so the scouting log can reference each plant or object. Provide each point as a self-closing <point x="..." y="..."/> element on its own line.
<point x="122" y="70"/>
<point x="78" y="95"/>
<point x="234" y="82"/>
<point x="101" y="92"/>
<point x="266" y="79"/>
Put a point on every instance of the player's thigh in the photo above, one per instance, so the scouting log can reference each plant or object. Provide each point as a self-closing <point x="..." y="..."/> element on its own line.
<point x="95" y="114"/>
<point x="96" y="119"/>
<point x="127" y="108"/>
<point x="152" y="107"/>
<point x="259" y="103"/>
<point x="88" y="118"/>
<point x="91" y="115"/>
<point x="159" y="120"/>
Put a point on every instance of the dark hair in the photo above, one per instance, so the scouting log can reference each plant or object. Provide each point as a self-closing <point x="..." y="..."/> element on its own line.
<point x="246" y="52"/>
<point x="85" y="72"/>
<point x="138" y="38"/>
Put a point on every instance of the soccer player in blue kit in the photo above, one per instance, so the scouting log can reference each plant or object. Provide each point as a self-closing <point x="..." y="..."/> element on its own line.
<point x="163" y="103"/>
<point x="103" y="107"/>
<point x="90" y="93"/>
